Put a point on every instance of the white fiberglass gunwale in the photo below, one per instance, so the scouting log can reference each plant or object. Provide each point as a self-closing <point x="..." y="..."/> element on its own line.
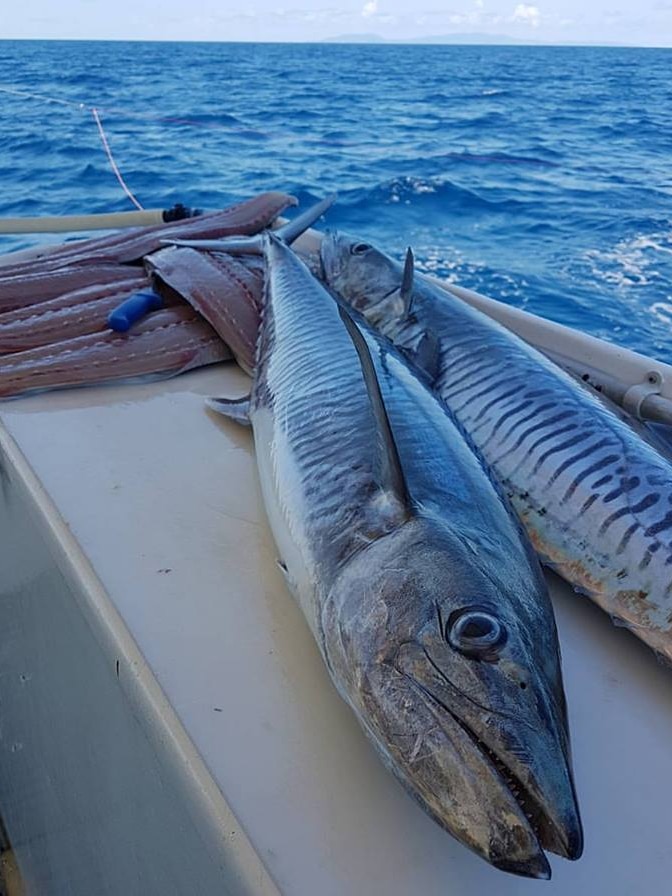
<point x="166" y="722"/>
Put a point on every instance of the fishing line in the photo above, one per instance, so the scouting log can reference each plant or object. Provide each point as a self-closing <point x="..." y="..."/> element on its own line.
<point x="81" y="107"/>
<point x="233" y="125"/>
<point x="108" y="151"/>
<point x="240" y="127"/>
<point x="95" y="112"/>
<point x="41" y="96"/>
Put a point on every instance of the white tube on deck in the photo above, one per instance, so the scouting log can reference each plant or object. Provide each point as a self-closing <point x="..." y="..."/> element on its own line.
<point x="68" y="223"/>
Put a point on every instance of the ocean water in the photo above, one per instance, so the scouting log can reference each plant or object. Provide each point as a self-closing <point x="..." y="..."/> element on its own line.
<point x="541" y="176"/>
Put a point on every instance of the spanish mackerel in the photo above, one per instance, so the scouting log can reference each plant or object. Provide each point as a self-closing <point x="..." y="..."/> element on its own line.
<point x="426" y="601"/>
<point x="594" y="497"/>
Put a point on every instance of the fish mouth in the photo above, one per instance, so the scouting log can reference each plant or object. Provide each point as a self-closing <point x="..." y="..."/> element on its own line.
<point x="545" y="826"/>
<point x="549" y="835"/>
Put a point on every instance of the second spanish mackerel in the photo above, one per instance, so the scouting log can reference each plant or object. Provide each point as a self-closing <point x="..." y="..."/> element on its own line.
<point x="595" y="498"/>
<point x="425" y="599"/>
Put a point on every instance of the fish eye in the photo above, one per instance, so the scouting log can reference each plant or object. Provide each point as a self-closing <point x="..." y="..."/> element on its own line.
<point x="475" y="632"/>
<point x="359" y="248"/>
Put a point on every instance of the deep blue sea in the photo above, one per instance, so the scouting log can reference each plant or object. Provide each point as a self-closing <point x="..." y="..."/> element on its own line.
<point x="541" y="176"/>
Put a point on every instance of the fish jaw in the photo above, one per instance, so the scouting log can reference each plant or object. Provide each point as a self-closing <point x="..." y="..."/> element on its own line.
<point x="480" y="744"/>
<point x="528" y="753"/>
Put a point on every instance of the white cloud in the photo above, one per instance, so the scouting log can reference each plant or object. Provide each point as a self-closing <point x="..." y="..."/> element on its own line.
<point x="530" y="15"/>
<point x="370" y="8"/>
<point x="479" y="4"/>
<point x="309" y="15"/>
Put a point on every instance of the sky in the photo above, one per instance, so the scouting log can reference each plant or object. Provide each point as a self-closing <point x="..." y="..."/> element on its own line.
<point x="642" y="22"/>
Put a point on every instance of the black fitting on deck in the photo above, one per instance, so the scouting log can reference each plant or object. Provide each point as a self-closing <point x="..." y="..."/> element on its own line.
<point x="179" y="212"/>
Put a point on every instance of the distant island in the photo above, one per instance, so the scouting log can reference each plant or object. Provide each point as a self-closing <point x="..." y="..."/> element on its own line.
<point x="474" y="38"/>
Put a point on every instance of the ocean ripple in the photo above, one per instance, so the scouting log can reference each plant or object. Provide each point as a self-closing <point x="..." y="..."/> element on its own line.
<point x="537" y="175"/>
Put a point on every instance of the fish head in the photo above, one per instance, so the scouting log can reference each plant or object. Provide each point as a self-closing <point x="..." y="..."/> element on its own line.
<point x="368" y="279"/>
<point x="454" y="673"/>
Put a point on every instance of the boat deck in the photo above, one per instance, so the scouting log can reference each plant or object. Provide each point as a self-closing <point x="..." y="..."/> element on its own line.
<point x="168" y="726"/>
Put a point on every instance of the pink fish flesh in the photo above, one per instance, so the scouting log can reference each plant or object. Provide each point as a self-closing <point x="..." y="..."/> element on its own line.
<point x="68" y="316"/>
<point x="165" y="343"/>
<point x="226" y="291"/>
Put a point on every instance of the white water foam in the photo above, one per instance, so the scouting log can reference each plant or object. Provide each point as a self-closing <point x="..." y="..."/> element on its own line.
<point x="632" y="261"/>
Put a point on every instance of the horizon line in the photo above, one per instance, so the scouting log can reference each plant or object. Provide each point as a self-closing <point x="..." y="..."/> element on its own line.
<point x="352" y="40"/>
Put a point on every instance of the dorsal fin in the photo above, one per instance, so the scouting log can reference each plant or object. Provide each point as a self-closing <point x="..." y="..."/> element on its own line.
<point x="387" y="468"/>
<point x="406" y="288"/>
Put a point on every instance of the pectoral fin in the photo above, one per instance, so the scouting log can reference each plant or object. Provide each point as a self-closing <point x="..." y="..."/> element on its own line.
<point x="237" y="409"/>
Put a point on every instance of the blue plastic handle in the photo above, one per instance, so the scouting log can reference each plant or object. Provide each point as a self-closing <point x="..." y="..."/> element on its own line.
<point x="133" y="309"/>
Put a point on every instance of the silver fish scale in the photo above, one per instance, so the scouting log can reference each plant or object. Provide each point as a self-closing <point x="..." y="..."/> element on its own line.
<point x="595" y="499"/>
<point x="323" y="426"/>
<point x="446" y="476"/>
<point x="324" y="437"/>
<point x="448" y="479"/>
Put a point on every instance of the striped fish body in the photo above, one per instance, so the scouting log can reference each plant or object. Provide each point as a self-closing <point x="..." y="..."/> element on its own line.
<point x="312" y="424"/>
<point x="314" y="431"/>
<point x="314" y="434"/>
<point x="595" y="499"/>
<point x="425" y="599"/>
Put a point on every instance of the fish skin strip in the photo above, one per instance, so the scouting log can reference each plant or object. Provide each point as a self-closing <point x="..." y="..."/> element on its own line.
<point x="595" y="498"/>
<point x="34" y="287"/>
<point x="48" y="322"/>
<point x="242" y="219"/>
<point x="65" y="296"/>
<point x="164" y="344"/>
<point x="226" y="291"/>
<point x="101" y="260"/>
<point x="134" y="279"/>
